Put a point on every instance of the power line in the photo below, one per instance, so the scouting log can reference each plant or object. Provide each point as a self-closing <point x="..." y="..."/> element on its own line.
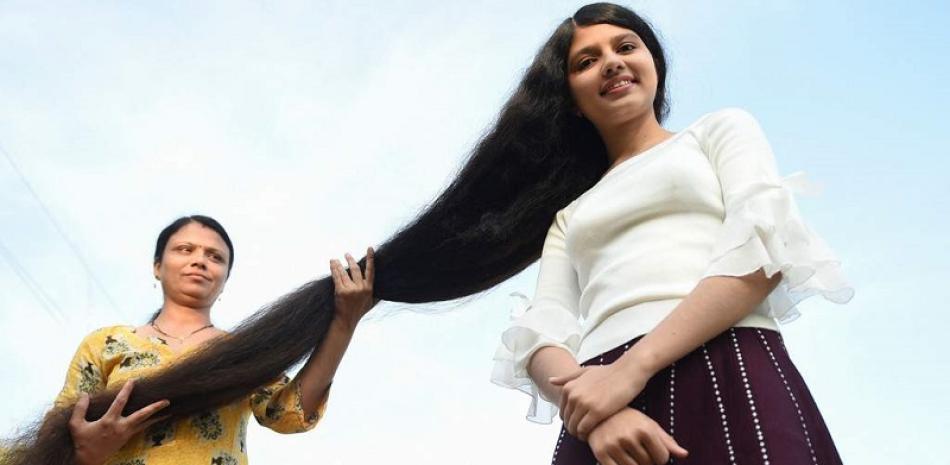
<point x="40" y="294"/>
<point x="62" y="233"/>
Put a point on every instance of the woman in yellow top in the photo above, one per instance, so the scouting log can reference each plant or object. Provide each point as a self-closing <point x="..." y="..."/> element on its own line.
<point x="193" y="259"/>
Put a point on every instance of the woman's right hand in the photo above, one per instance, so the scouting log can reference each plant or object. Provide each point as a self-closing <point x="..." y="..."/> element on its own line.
<point x="629" y="437"/>
<point x="95" y="441"/>
<point x="352" y="291"/>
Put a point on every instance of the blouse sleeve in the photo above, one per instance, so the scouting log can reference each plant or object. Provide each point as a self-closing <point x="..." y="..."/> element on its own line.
<point x="85" y="373"/>
<point x="278" y="407"/>
<point x="551" y="319"/>
<point x="762" y="227"/>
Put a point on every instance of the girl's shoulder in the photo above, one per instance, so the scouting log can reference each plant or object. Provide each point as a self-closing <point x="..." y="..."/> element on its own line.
<point x="724" y="120"/>
<point x="725" y="127"/>
<point x="728" y="116"/>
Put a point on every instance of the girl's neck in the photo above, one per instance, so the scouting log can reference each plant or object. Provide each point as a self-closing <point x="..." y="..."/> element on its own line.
<point x="633" y="136"/>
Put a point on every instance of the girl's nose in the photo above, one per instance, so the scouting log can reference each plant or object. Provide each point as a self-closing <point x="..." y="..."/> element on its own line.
<point x="612" y="65"/>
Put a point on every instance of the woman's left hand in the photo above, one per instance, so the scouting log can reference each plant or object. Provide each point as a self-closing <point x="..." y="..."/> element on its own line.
<point x="592" y="394"/>
<point x="353" y="291"/>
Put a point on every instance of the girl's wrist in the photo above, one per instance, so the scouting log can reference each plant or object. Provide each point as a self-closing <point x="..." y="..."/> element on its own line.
<point x="639" y="363"/>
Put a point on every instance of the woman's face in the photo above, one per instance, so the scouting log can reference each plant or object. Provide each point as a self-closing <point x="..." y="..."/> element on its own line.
<point x="194" y="266"/>
<point x="611" y="74"/>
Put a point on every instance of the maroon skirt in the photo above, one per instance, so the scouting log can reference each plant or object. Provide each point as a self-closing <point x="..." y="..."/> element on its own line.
<point x="738" y="399"/>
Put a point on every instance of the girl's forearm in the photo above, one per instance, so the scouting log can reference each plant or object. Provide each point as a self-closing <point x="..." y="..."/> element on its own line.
<point x="715" y="305"/>
<point x="548" y="362"/>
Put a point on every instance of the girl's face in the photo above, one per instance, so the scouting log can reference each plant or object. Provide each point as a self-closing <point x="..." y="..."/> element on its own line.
<point x="611" y="74"/>
<point x="194" y="266"/>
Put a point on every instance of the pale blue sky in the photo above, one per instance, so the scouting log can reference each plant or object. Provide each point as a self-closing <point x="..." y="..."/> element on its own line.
<point x="312" y="129"/>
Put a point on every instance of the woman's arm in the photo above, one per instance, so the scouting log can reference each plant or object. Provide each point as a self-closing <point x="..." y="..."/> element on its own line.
<point x="353" y="298"/>
<point x="95" y="441"/>
<point x="541" y="341"/>
<point x="317" y="374"/>
<point x="591" y="395"/>
<point x="715" y="305"/>
<point x="549" y="362"/>
<point x="627" y="436"/>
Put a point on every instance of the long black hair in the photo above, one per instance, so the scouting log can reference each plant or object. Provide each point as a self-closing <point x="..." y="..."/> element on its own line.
<point x="488" y="225"/>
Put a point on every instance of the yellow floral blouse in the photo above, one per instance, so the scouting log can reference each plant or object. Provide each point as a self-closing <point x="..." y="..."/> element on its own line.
<point x="108" y="357"/>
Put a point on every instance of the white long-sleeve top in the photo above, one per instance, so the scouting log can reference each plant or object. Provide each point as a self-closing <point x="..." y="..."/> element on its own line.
<point x="708" y="201"/>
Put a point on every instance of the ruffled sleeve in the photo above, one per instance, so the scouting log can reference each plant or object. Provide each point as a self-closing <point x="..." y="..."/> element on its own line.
<point x="551" y="319"/>
<point x="762" y="227"/>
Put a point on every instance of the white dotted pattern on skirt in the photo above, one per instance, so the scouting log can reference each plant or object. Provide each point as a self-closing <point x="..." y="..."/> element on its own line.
<point x="643" y="406"/>
<point x="558" y="446"/>
<point x="748" y="394"/>
<point x="672" y="400"/>
<point x="791" y="395"/>
<point x="722" y="409"/>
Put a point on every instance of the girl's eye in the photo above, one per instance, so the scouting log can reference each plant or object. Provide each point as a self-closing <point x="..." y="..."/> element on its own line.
<point x="584" y="64"/>
<point x="626" y="47"/>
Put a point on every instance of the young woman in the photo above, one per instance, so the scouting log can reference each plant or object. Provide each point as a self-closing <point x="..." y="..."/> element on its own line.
<point x="193" y="259"/>
<point x="679" y="261"/>
<point x="554" y="140"/>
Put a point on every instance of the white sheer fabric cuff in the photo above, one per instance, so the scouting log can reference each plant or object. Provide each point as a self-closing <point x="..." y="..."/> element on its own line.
<point x="530" y="331"/>
<point x="766" y="231"/>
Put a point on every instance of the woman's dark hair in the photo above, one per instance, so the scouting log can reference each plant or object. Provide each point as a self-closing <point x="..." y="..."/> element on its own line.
<point x="205" y="221"/>
<point x="487" y="225"/>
